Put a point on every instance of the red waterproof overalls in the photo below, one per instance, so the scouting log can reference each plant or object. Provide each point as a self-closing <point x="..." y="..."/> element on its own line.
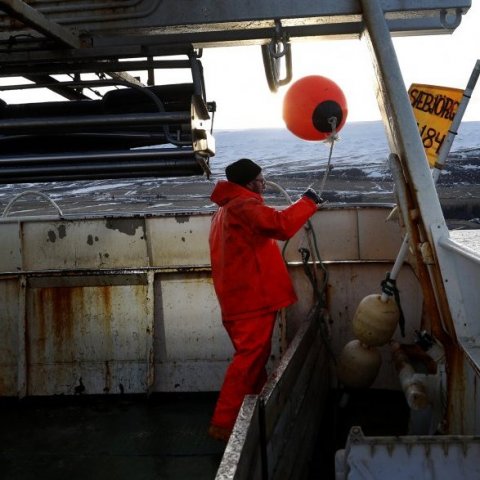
<point x="251" y="282"/>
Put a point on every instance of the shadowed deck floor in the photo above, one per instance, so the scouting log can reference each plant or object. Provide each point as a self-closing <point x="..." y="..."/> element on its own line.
<point x="119" y="438"/>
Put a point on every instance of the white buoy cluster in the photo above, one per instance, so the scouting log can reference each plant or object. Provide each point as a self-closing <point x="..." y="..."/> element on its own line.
<point x="374" y="323"/>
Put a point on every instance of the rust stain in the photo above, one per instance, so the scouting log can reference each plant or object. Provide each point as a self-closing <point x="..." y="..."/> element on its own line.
<point x="105" y="294"/>
<point x="63" y="311"/>
<point x="63" y="319"/>
<point x="456" y="389"/>
<point x="58" y="311"/>
<point x="141" y="295"/>
<point x="40" y="318"/>
<point x="329" y="292"/>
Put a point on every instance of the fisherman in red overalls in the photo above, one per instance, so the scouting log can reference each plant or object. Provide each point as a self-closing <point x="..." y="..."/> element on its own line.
<point x="250" y="278"/>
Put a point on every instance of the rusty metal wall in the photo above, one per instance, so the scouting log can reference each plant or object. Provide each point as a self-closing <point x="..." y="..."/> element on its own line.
<point x="191" y="346"/>
<point x="110" y="243"/>
<point x="11" y="329"/>
<point x="100" y="334"/>
<point x="127" y="304"/>
<point x="179" y="241"/>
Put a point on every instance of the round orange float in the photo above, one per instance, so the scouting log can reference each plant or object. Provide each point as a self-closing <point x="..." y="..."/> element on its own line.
<point x="309" y="106"/>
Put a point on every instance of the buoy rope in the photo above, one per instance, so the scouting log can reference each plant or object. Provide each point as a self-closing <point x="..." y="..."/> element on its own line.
<point x="308" y="229"/>
<point x="305" y="254"/>
<point x="317" y="254"/>
<point x="389" y="287"/>
<point x="317" y="313"/>
<point x="331" y="139"/>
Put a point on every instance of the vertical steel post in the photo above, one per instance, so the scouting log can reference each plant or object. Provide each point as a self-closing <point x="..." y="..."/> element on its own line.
<point x="150" y="348"/>
<point x="449" y="293"/>
<point x="442" y="158"/>
<point x="405" y="141"/>
<point x="397" y="113"/>
<point x="22" y="362"/>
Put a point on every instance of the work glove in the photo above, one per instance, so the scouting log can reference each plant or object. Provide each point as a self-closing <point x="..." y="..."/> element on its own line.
<point x="313" y="195"/>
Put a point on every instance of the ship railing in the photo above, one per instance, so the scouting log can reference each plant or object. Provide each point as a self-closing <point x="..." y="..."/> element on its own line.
<point x="464" y="275"/>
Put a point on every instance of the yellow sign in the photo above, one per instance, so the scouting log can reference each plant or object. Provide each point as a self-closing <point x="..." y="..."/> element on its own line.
<point x="434" y="109"/>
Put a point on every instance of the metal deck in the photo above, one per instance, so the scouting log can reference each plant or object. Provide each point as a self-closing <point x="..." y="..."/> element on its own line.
<point x="111" y="437"/>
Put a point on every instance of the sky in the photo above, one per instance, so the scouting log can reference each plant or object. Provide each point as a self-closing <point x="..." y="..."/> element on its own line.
<point x="235" y="77"/>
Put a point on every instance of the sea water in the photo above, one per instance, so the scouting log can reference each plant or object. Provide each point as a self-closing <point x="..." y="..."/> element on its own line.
<point x="360" y="145"/>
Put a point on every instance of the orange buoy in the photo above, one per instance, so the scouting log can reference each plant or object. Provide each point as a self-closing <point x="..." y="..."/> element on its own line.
<point x="309" y="105"/>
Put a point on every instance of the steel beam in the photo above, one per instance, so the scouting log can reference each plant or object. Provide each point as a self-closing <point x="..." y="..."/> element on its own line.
<point x="26" y="125"/>
<point x="397" y="112"/>
<point x="39" y="22"/>
<point x="106" y="66"/>
<point x="180" y="16"/>
<point x="36" y="20"/>
<point x="102" y="166"/>
<point x="47" y="80"/>
<point x="151" y="27"/>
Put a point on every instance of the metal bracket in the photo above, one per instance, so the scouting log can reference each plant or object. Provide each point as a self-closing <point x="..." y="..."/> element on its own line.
<point x="272" y="53"/>
<point x="446" y="23"/>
